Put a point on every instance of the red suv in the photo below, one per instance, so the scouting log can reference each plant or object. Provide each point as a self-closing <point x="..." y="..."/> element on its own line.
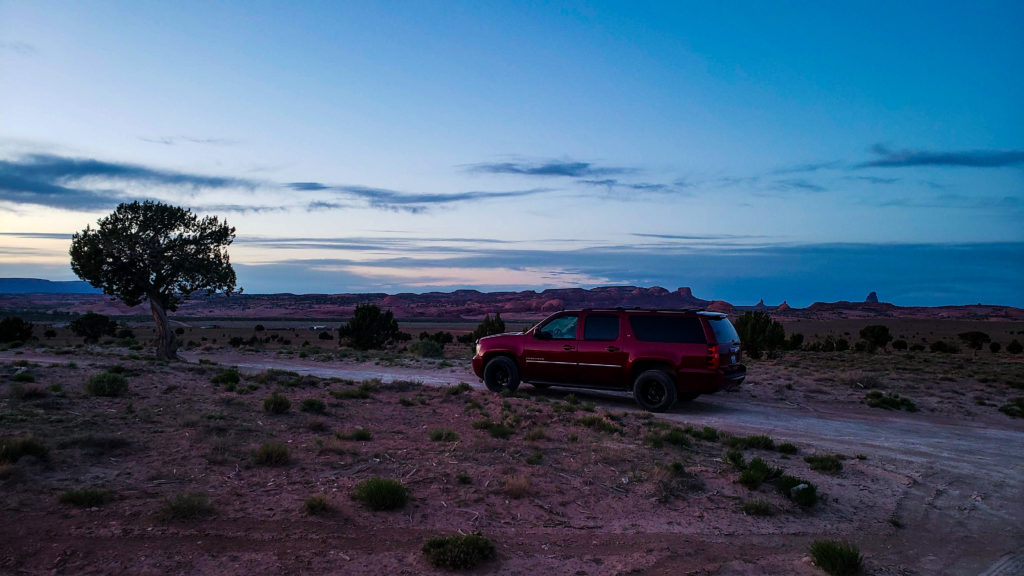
<point x="660" y="356"/>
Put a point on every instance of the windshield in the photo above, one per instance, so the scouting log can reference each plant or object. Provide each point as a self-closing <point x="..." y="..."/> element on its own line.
<point x="724" y="332"/>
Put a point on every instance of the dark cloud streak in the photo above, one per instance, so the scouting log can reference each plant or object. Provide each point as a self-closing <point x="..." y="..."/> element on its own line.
<point x="889" y="158"/>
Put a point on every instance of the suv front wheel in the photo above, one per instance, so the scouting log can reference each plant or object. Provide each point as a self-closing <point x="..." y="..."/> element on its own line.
<point x="501" y="373"/>
<point x="654" y="390"/>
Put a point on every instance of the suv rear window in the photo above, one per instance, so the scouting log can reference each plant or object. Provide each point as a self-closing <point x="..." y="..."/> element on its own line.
<point x="724" y="330"/>
<point x="668" y="329"/>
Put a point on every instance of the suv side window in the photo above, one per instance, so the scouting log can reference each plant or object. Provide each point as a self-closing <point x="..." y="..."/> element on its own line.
<point x="601" y="327"/>
<point x="677" y="329"/>
<point x="561" y="328"/>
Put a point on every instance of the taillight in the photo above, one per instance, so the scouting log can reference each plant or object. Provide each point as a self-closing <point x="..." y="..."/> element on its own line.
<point x="713" y="358"/>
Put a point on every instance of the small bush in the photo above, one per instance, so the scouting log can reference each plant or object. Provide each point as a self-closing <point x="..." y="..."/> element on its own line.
<point x="598" y="423"/>
<point x="517" y="486"/>
<point x="107" y="384"/>
<point x="535" y="458"/>
<point x="787" y="448"/>
<point x="426" y="349"/>
<point x="92" y="326"/>
<point x="443" y="435"/>
<point x="13" y="449"/>
<point x="361" y="435"/>
<point x="758" y="507"/>
<point x="363" y="391"/>
<point x="381" y="493"/>
<point x="316" y="505"/>
<point x="828" y="463"/>
<point x="459" y="552"/>
<point x="943" y="347"/>
<point x="534" y="434"/>
<point x="1014" y="347"/>
<point x="1014" y="408"/>
<point x="86" y="497"/>
<point x="188" y="506"/>
<point x="24" y="377"/>
<point x="458" y="389"/>
<point x="495" y="429"/>
<point x="836" y="558"/>
<point x="228" y="376"/>
<point x="14" y="329"/>
<point x="272" y="454"/>
<point x="313" y="405"/>
<point x="759" y="441"/>
<point x="463" y="478"/>
<point x="276" y="404"/>
<point x="798" y="490"/>
<point x="890" y="401"/>
<point x="707" y="433"/>
<point x="757" y="472"/>
<point x="735" y="457"/>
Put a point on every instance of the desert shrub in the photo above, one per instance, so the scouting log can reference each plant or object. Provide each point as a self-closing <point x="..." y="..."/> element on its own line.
<point x="109" y="384"/>
<point x="50" y="333"/>
<point x="463" y="478"/>
<point x="534" y="434"/>
<point x="917" y="348"/>
<point x="1014" y="347"/>
<point x="24" y="377"/>
<point x="974" y="339"/>
<point x="443" y="435"/>
<point x="875" y="336"/>
<point x="759" y="441"/>
<point x="458" y="389"/>
<point x="364" y="390"/>
<point x="735" y="457"/>
<point x="21" y="392"/>
<point x="757" y="472"/>
<point x="899" y="344"/>
<point x="314" y="405"/>
<point x="441" y="338"/>
<point x="517" y="486"/>
<point x="601" y="424"/>
<point x="227" y="376"/>
<point x="316" y="505"/>
<point x="13" y="449"/>
<point x="535" y="458"/>
<point x="187" y="506"/>
<point x="271" y="454"/>
<point x="671" y="480"/>
<point x="86" y="497"/>
<point x="325" y="336"/>
<point x="786" y="448"/>
<point x="794" y="342"/>
<point x="15" y="329"/>
<point x="458" y="552"/>
<point x="276" y="403"/>
<point x="487" y="327"/>
<point x="836" y="558"/>
<point x="890" y="401"/>
<point x="93" y="326"/>
<point x="995" y="347"/>
<point x="759" y="333"/>
<point x="798" y="490"/>
<point x="943" y="347"/>
<point x="708" y="433"/>
<point x="828" y="463"/>
<point x="1014" y="408"/>
<point x="758" y="507"/>
<point x="495" y="429"/>
<point x="426" y="349"/>
<point x="370" y="328"/>
<point x="381" y="493"/>
<point x="361" y="435"/>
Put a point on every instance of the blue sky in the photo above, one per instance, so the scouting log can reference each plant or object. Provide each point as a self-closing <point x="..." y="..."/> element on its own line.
<point x="799" y="152"/>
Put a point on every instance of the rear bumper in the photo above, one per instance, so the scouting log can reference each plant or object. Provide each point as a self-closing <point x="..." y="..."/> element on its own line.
<point x="733" y="376"/>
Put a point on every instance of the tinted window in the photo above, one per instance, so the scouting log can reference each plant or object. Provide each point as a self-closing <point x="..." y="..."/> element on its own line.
<point x="667" y="329"/>
<point x="724" y="331"/>
<point x="601" y="327"/>
<point x="561" y="328"/>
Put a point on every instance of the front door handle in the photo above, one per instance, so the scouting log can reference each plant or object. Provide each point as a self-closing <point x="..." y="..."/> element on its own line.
<point x="612" y="349"/>
<point x="568" y="347"/>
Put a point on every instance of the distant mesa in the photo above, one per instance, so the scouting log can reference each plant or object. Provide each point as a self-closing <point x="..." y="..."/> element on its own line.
<point x="39" y="286"/>
<point x="783" y="307"/>
<point x="872" y="298"/>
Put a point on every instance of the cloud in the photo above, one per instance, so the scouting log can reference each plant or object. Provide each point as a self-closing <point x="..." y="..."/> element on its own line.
<point x="20" y="48"/>
<point x="798" y="184"/>
<point x="174" y="140"/>
<point x="874" y="179"/>
<point x="38" y="235"/>
<point x="889" y="158"/>
<point x="414" y="202"/>
<point x="548" y="168"/>
<point x="811" y="167"/>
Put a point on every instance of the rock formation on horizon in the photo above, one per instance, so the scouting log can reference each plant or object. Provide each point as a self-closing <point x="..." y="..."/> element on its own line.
<point x="872" y="298"/>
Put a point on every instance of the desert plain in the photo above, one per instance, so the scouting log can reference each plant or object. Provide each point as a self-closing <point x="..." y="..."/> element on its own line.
<point x="194" y="472"/>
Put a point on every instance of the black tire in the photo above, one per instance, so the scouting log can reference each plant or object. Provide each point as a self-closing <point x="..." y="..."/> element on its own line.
<point x="654" y="391"/>
<point x="500" y="374"/>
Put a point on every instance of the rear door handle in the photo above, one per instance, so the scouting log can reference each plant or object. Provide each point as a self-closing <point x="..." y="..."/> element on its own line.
<point x="612" y="349"/>
<point x="568" y="347"/>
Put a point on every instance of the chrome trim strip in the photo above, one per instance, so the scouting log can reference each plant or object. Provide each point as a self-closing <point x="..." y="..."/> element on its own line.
<point x="601" y="365"/>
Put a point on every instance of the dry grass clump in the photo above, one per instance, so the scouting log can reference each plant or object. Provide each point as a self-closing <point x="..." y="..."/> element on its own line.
<point x="443" y="435"/>
<point x="758" y="507"/>
<point x="186" y="506"/>
<point x="13" y="449"/>
<point x="313" y="405"/>
<point x="458" y="552"/>
<point x="276" y="403"/>
<point x="836" y="558"/>
<point x="272" y="454"/>
<point x="828" y="463"/>
<point x="381" y="493"/>
<point x="517" y="485"/>
<point x="316" y="505"/>
<point x="108" y="384"/>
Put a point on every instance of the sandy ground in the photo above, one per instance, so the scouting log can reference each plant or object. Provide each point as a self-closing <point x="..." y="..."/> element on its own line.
<point x="937" y="491"/>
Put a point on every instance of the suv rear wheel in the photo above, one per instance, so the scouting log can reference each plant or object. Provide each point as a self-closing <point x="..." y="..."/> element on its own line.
<point x="501" y="373"/>
<point x="654" y="390"/>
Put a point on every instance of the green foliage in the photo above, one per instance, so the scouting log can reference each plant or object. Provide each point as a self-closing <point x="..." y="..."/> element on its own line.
<point x="890" y="401"/>
<point x="707" y="433"/>
<point x="316" y="505"/>
<point x="187" y="506"/>
<point x="364" y="390"/>
<point x="24" y="377"/>
<point x="602" y="424"/>
<point x="443" y="435"/>
<point x="974" y="339"/>
<point x="757" y="472"/>
<point x="943" y="347"/>
<point x="794" y="342"/>
<point x="786" y="448"/>
<point x="876" y="336"/>
<point x="735" y="457"/>
<point x="14" y="329"/>
<point x="227" y="376"/>
<point x="458" y="552"/>
<point x="426" y="349"/>
<point x="836" y="558"/>
<point x="798" y="490"/>
<point x="1014" y="408"/>
<point x="758" y="507"/>
<point x="463" y="478"/>
<point x="272" y="454"/>
<point x="495" y="429"/>
<point x="86" y="497"/>
<point x="759" y="332"/>
<point x="156" y="252"/>
<point x="1014" y="347"/>
<point x="759" y="441"/>
<point x="276" y="403"/>
<point x="109" y="384"/>
<point x="488" y="327"/>
<point x="828" y="463"/>
<point x="93" y="326"/>
<point x="314" y="405"/>
<point x="458" y="389"/>
<point x="13" y="449"/>
<point x="381" y="493"/>
<point x="361" y="435"/>
<point x="440" y="338"/>
<point x="535" y="458"/>
<point x="370" y="328"/>
<point x="534" y="434"/>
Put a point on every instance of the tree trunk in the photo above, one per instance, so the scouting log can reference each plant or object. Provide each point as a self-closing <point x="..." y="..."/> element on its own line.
<point x="166" y="343"/>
